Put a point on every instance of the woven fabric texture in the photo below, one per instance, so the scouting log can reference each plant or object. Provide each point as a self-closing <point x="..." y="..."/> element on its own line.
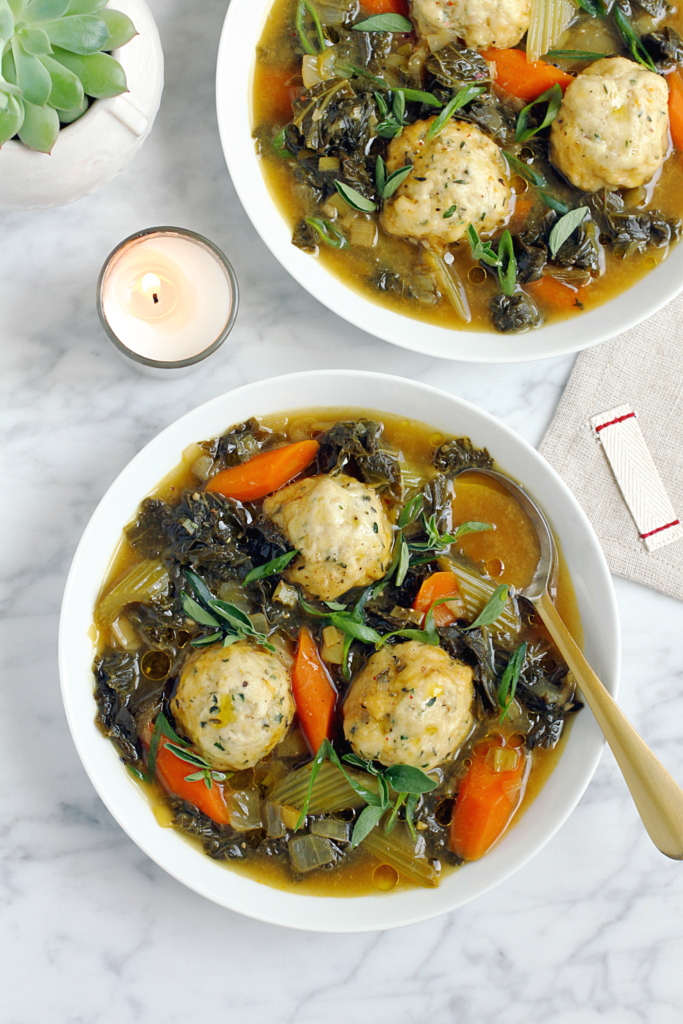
<point x="644" y="370"/>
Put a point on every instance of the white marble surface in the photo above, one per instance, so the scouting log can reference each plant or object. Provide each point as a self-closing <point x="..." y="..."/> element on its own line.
<point x="91" y="931"/>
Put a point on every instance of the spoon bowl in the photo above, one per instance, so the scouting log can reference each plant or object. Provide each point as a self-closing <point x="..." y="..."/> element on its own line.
<point x="657" y="796"/>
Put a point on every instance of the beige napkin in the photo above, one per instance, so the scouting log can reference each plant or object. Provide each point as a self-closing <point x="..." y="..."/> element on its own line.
<point x="642" y="369"/>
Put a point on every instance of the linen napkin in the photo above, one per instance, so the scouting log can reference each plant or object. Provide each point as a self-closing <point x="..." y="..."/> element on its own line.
<point x="638" y="372"/>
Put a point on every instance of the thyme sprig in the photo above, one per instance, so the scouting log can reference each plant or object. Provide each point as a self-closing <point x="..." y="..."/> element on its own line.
<point x="230" y="622"/>
<point x="407" y="782"/>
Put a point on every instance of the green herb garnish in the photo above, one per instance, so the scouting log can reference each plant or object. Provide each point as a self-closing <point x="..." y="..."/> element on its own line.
<point x="232" y="623"/>
<point x="161" y="725"/>
<point x="507" y="270"/>
<point x="303" y="7"/>
<point x="279" y="144"/>
<point x="417" y="96"/>
<point x="465" y="95"/>
<point x="482" y="251"/>
<point x="354" y="198"/>
<point x="553" y="97"/>
<point x="205" y="772"/>
<point x="632" y="39"/>
<point x="327" y="232"/>
<point x="553" y="203"/>
<point x="508" y="684"/>
<point x="523" y="169"/>
<point x="387" y="184"/>
<point x="413" y="780"/>
<point x="384" y="23"/>
<point x="271" y="568"/>
<point x="493" y="607"/>
<point x="575" y="54"/>
<point x="564" y="227"/>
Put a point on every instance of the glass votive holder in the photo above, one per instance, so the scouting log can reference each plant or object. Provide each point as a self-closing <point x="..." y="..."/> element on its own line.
<point x="167" y="299"/>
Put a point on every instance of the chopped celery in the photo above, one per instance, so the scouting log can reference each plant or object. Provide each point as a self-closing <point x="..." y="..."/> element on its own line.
<point x="448" y="280"/>
<point x="331" y="791"/>
<point x="275" y="826"/>
<point x="147" y="581"/>
<point x="309" y="852"/>
<point x="549" y="19"/>
<point x="403" y="853"/>
<point x="331" y="829"/>
<point x="245" y="810"/>
<point x="476" y="591"/>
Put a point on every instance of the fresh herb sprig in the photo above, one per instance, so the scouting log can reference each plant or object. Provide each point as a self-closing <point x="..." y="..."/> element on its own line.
<point x="388" y="183"/>
<point x="231" y="623"/>
<point x="271" y="568"/>
<point x="349" y="622"/>
<point x="504" y="259"/>
<point x="508" y="683"/>
<point x="523" y="169"/>
<point x="461" y="98"/>
<point x="384" y="23"/>
<point x="354" y="198"/>
<point x="429" y="634"/>
<point x="327" y="232"/>
<point x="564" y="227"/>
<point x="438" y="541"/>
<point x="392" y="120"/>
<point x="633" y="41"/>
<point x="305" y="7"/>
<point x="408" y="782"/>
<point x="553" y="98"/>
<point x="181" y="749"/>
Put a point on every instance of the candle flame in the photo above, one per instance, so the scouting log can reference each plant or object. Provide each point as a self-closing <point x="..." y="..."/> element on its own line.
<point x="150" y="283"/>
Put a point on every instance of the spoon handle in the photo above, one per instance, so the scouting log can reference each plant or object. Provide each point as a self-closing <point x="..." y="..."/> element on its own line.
<point x="656" y="794"/>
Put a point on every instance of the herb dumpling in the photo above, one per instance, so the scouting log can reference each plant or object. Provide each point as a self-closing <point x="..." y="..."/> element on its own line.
<point x="340" y="529"/>
<point x="459" y="178"/>
<point x="612" y="127"/>
<point x="410" y="704"/>
<point x="235" y="704"/>
<point x="479" y="23"/>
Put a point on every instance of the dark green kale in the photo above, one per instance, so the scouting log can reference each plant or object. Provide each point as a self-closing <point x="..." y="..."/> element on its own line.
<point x="241" y="443"/>
<point x="515" y="313"/>
<point x="117" y="677"/>
<point x="458" y="454"/>
<point x="357" y="446"/>
<point x="631" y="232"/>
<point x="455" y="65"/>
<point x="665" y="48"/>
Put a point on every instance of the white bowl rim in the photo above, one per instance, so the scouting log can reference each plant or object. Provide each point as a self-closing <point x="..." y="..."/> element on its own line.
<point x="234" y="74"/>
<point x="173" y="853"/>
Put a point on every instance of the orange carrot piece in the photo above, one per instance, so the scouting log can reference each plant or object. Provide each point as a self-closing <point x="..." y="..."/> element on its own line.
<point x="315" y="694"/>
<point x="438" y="585"/>
<point x="676" y="108"/>
<point x="275" y="84"/>
<point x="171" y="772"/>
<point x="553" y="293"/>
<point x="385" y="7"/>
<point x="522" y="210"/>
<point x="485" y="805"/>
<point x="265" y="473"/>
<point x="525" y="79"/>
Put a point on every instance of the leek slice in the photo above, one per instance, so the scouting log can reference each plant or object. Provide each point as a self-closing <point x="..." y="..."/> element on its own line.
<point x="549" y="19"/>
<point x="449" y="281"/>
<point x="406" y="855"/>
<point x="476" y="592"/>
<point x="331" y="791"/>
<point x="146" y="581"/>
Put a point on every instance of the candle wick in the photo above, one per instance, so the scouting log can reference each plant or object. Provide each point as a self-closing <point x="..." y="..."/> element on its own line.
<point x="155" y="297"/>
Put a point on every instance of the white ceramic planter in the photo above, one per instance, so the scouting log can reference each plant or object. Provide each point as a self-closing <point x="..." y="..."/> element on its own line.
<point x="89" y="152"/>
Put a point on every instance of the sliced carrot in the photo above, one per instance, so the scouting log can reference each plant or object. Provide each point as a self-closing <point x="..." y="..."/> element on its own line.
<point x="521" y="212"/>
<point x="314" y="692"/>
<point x="554" y="293"/>
<point x="439" y="585"/>
<point x="265" y="473"/>
<point x="172" y="772"/>
<point x="385" y="7"/>
<point x="487" y="801"/>
<point x="522" y="78"/>
<point x="676" y="108"/>
<point x="275" y="85"/>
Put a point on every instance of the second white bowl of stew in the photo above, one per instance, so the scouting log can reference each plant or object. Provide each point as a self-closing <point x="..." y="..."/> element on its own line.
<point x="297" y="665"/>
<point x="495" y="181"/>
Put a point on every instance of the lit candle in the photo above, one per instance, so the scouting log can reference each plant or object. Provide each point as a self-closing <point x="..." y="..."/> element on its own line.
<point x="167" y="299"/>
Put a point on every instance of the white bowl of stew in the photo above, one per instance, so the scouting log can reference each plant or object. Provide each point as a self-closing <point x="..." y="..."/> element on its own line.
<point x="345" y="280"/>
<point x="349" y="394"/>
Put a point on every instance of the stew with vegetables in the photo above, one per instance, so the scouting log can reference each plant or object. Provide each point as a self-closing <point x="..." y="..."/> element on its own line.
<point x="478" y="165"/>
<point x="313" y="658"/>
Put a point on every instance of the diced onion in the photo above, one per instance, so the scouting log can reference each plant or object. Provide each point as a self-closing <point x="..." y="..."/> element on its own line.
<point x="310" y="71"/>
<point x="549" y="19"/>
<point x="286" y="594"/>
<point x="309" y="852"/>
<point x="245" y="810"/>
<point x="330" y="828"/>
<point x="328" y="163"/>
<point x="202" y="467"/>
<point x="502" y="759"/>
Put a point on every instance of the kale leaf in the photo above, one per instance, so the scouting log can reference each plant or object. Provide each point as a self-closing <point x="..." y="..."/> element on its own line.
<point x="359" y="445"/>
<point x="514" y="313"/>
<point x="460" y="453"/>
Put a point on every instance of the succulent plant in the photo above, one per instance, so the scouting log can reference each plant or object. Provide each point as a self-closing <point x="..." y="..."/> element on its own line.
<point x="53" y="64"/>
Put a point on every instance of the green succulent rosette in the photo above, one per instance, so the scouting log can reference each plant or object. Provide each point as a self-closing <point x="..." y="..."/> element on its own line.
<point x="55" y="60"/>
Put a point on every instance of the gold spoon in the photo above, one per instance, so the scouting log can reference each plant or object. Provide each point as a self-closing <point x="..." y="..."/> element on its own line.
<point x="656" y="794"/>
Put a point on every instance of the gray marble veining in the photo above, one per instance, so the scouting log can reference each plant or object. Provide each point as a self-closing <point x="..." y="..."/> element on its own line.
<point x="92" y="932"/>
